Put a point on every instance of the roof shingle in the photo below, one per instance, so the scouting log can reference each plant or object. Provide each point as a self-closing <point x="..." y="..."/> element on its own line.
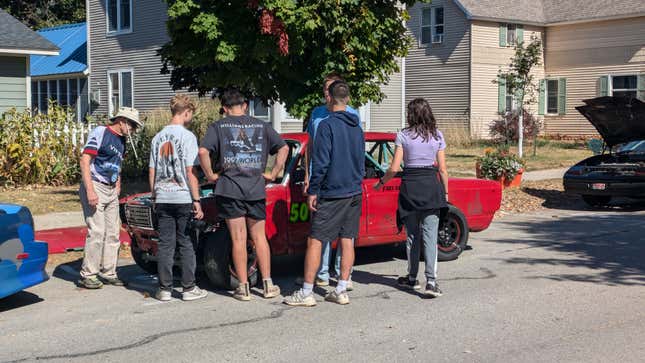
<point x="14" y="35"/>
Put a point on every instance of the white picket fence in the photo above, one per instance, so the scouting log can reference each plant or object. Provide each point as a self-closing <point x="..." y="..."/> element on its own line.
<point x="74" y="132"/>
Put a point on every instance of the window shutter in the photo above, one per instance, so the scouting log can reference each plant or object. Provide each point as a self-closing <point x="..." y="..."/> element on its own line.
<point x="604" y="86"/>
<point x="501" y="95"/>
<point x="542" y="97"/>
<point x="641" y="87"/>
<point x="519" y="33"/>
<point x="562" y="96"/>
<point x="502" y="35"/>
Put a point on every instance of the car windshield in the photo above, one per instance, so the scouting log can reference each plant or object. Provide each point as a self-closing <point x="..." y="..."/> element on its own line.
<point x="633" y="147"/>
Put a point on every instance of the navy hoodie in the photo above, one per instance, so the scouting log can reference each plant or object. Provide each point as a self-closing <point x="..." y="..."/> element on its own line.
<point x="338" y="157"/>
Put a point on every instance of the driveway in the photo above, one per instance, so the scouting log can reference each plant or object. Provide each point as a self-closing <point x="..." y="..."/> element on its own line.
<point x="565" y="286"/>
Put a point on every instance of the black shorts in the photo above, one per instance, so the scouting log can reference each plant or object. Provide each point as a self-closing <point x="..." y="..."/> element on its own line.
<point x="229" y="208"/>
<point x="337" y="218"/>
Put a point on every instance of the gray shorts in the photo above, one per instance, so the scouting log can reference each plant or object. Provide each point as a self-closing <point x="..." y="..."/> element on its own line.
<point x="337" y="218"/>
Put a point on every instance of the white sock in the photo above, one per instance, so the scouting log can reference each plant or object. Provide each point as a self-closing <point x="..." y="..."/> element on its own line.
<point x="342" y="286"/>
<point x="307" y="288"/>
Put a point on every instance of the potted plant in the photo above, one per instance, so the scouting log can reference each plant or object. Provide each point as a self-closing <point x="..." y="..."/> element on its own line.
<point x="500" y="165"/>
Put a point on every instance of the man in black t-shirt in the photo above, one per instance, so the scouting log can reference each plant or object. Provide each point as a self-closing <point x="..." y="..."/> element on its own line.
<point x="240" y="146"/>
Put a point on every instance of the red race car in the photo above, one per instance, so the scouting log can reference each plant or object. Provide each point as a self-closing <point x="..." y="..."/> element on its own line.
<point x="473" y="203"/>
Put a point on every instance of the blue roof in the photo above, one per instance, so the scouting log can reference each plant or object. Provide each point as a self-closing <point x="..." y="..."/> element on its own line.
<point x="72" y="41"/>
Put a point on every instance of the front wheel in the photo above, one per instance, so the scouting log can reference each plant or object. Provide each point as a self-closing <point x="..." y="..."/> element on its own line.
<point x="218" y="261"/>
<point x="139" y="257"/>
<point x="453" y="235"/>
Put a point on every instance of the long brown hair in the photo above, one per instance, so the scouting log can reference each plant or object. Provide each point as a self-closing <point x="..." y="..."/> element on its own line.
<point x="421" y="121"/>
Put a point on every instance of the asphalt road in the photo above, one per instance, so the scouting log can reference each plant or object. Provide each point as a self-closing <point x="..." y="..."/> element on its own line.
<point x="566" y="286"/>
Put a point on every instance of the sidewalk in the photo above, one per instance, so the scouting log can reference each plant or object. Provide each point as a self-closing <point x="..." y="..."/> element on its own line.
<point x="544" y="174"/>
<point x="59" y="220"/>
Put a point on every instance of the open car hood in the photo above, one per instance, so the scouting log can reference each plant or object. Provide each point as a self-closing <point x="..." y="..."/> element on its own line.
<point x="617" y="119"/>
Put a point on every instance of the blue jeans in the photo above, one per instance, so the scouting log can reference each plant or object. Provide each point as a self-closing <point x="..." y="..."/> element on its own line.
<point x="323" y="271"/>
<point x="422" y="228"/>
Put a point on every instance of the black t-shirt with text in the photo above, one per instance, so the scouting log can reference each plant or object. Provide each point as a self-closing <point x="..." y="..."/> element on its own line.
<point x="239" y="148"/>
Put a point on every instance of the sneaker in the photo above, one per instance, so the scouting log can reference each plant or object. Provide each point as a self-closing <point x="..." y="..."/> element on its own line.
<point x="193" y="294"/>
<point x="338" y="298"/>
<point x="163" y="294"/>
<point x="91" y="282"/>
<point x="350" y="285"/>
<point x="433" y="290"/>
<point x="298" y="298"/>
<point x="243" y="293"/>
<point x="270" y="290"/>
<point x="404" y="281"/>
<point x="114" y="281"/>
<point x="317" y="282"/>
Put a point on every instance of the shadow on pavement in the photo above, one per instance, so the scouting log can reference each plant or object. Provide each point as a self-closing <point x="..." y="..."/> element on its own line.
<point x="611" y="248"/>
<point x="557" y="199"/>
<point x="19" y="300"/>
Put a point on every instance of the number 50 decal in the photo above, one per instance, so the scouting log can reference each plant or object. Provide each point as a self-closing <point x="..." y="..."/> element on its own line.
<point x="299" y="213"/>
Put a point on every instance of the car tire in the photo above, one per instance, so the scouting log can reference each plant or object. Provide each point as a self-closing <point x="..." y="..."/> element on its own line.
<point x="138" y="256"/>
<point x="596" y="200"/>
<point x="453" y="235"/>
<point x="218" y="262"/>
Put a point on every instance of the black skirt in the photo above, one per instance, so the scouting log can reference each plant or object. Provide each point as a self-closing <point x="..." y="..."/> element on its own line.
<point x="422" y="191"/>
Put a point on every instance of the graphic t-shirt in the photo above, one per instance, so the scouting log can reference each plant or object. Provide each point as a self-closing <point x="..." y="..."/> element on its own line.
<point x="173" y="149"/>
<point x="239" y="147"/>
<point x="416" y="152"/>
<point x="108" y="148"/>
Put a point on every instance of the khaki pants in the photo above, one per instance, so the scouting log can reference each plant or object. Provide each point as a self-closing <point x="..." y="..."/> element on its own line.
<point x="103" y="227"/>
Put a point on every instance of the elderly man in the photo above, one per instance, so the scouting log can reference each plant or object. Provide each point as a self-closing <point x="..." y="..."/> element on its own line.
<point x="100" y="187"/>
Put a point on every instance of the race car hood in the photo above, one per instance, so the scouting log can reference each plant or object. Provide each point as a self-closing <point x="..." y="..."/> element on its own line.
<point x="617" y="119"/>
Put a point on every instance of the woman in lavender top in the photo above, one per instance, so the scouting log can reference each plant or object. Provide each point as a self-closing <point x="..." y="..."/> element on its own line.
<point x="424" y="191"/>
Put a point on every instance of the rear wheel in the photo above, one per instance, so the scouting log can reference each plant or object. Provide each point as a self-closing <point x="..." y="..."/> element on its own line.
<point x="218" y="261"/>
<point x="596" y="200"/>
<point x="453" y="235"/>
<point x="139" y="257"/>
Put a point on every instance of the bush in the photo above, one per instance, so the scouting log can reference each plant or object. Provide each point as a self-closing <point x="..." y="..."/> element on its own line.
<point x="505" y="129"/>
<point x="40" y="149"/>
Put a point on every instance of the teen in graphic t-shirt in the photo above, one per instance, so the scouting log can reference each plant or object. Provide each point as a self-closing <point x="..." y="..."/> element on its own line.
<point x="240" y="146"/>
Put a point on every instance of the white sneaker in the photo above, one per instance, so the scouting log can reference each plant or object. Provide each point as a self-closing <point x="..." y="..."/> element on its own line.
<point x="194" y="294"/>
<point x="163" y="295"/>
<point x="300" y="299"/>
<point x="338" y="298"/>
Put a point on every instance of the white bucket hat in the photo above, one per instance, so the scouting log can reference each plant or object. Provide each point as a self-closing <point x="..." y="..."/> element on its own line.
<point x="129" y="113"/>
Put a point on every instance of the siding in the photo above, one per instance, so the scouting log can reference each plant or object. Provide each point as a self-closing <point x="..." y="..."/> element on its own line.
<point x="441" y="73"/>
<point x="487" y="58"/>
<point x="136" y="50"/>
<point x="13" y="82"/>
<point x="386" y="116"/>
<point x="584" y="52"/>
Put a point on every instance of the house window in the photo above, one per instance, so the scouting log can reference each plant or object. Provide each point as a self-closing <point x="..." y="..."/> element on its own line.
<point x="258" y="109"/>
<point x="69" y="92"/>
<point x="625" y="86"/>
<point x="120" y="90"/>
<point x="119" y="15"/>
<point x="510" y="100"/>
<point x="432" y="26"/>
<point x="511" y="33"/>
<point x="552" y="96"/>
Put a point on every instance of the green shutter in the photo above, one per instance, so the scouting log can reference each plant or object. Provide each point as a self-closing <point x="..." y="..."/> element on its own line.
<point x="542" y="97"/>
<point x="562" y="96"/>
<point x="604" y="86"/>
<point x="641" y="87"/>
<point x="501" y="95"/>
<point x="502" y="35"/>
<point x="519" y="33"/>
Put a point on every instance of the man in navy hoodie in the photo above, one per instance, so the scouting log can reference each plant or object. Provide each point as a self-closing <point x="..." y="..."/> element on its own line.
<point x="335" y="194"/>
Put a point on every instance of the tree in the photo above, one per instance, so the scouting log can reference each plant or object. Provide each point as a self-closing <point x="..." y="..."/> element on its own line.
<point x="38" y="14"/>
<point x="280" y="50"/>
<point x="519" y="80"/>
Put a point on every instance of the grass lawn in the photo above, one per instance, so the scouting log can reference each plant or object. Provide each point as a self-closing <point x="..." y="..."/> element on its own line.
<point x="461" y="158"/>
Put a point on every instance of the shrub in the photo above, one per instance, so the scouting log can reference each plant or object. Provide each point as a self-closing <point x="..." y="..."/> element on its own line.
<point x="505" y="129"/>
<point x="40" y="149"/>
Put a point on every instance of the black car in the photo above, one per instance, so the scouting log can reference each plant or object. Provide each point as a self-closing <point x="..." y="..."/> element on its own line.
<point x="620" y="170"/>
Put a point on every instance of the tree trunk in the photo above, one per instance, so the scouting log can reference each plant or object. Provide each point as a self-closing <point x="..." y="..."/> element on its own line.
<point x="520" y="130"/>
